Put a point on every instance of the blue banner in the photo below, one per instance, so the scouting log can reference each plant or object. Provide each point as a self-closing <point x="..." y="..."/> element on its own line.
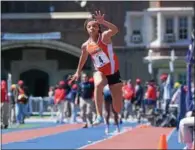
<point x="190" y="61"/>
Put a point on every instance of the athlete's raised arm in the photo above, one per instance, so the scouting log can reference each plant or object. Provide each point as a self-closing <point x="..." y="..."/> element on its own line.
<point x="112" y="29"/>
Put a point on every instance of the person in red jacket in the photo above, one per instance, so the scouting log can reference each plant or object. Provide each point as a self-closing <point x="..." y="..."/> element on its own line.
<point x="4" y="105"/>
<point x="150" y="96"/>
<point x="128" y="95"/>
<point x="59" y="98"/>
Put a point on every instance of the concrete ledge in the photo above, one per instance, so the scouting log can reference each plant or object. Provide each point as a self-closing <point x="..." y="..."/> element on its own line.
<point x="50" y="44"/>
<point x="54" y="15"/>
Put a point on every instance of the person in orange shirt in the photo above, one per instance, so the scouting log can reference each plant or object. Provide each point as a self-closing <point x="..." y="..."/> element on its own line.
<point x="99" y="46"/>
<point x="59" y="97"/>
<point x="150" y="95"/>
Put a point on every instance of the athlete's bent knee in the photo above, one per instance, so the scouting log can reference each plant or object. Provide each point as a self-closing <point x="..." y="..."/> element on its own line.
<point x="99" y="85"/>
<point x="117" y="108"/>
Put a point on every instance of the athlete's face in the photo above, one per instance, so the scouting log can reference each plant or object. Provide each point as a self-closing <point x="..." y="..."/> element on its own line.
<point x="92" y="28"/>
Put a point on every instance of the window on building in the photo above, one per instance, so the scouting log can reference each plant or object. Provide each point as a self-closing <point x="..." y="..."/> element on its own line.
<point x="136" y="32"/>
<point x="38" y="6"/>
<point x="32" y="6"/>
<point x="18" y="6"/>
<point x="136" y="23"/>
<point x="154" y="23"/>
<point x="169" y="25"/>
<point x="8" y="6"/>
<point x="183" y="28"/>
<point x="5" y="6"/>
<point x="43" y="6"/>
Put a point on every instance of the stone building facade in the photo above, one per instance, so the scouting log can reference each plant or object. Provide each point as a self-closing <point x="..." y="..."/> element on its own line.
<point x="160" y="26"/>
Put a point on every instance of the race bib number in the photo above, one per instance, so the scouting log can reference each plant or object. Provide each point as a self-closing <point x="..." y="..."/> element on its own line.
<point x="100" y="59"/>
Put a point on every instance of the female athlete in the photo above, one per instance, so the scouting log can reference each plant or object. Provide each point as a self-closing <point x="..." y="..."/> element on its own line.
<point x="99" y="47"/>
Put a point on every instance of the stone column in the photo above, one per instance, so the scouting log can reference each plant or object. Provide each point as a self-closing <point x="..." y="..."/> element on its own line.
<point x="146" y="28"/>
<point x="176" y="28"/>
<point x="189" y="26"/>
<point x="160" y="28"/>
<point x="128" y="26"/>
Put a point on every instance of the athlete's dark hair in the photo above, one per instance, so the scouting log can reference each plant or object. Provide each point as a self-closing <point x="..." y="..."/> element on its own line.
<point x="87" y="21"/>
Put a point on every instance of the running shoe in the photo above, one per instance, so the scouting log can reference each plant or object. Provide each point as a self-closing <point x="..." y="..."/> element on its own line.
<point x="107" y="129"/>
<point x="117" y="129"/>
<point x="98" y="121"/>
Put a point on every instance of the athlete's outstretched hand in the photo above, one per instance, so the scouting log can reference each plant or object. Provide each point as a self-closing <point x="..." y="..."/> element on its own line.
<point x="75" y="77"/>
<point x="99" y="17"/>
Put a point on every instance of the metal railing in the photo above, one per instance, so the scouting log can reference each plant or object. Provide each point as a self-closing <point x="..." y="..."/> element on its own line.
<point x="41" y="105"/>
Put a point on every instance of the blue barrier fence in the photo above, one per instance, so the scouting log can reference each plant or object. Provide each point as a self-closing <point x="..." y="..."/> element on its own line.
<point x="40" y="105"/>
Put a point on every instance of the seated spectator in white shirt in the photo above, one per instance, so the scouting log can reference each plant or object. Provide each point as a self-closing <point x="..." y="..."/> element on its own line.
<point x="186" y="127"/>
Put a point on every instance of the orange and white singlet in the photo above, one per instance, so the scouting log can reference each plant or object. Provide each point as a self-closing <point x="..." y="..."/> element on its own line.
<point x="103" y="56"/>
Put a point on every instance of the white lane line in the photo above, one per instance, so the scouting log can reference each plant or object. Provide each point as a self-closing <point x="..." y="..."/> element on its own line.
<point x="107" y="138"/>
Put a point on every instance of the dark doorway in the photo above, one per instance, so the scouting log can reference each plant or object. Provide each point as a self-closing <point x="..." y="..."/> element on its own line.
<point x="37" y="82"/>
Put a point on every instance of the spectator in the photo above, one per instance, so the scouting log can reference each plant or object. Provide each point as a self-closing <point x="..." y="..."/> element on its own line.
<point x="91" y="81"/>
<point x="122" y="111"/>
<point x="51" y="92"/>
<point x="182" y="104"/>
<point x="4" y="105"/>
<point x="186" y="127"/>
<point x="26" y="104"/>
<point x="21" y="98"/>
<point x="59" y="98"/>
<point x="67" y="105"/>
<point x="128" y="95"/>
<point x="139" y="92"/>
<point x="176" y="93"/>
<point x="150" y="97"/>
<point x="85" y="95"/>
<point x="166" y="82"/>
<point x="12" y="105"/>
<point x="51" y="100"/>
<point x="175" y="87"/>
<point x="71" y="99"/>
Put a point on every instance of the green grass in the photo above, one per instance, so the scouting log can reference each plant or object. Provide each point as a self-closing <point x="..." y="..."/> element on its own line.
<point x="22" y="126"/>
<point x="38" y="116"/>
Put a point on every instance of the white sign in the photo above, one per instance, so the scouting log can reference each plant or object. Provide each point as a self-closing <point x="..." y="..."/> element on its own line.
<point x="172" y="55"/>
<point x="171" y="66"/>
<point x="31" y="36"/>
<point x="150" y="68"/>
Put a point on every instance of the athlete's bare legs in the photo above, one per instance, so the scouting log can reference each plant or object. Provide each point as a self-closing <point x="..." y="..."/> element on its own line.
<point x="99" y="81"/>
<point x="117" y="99"/>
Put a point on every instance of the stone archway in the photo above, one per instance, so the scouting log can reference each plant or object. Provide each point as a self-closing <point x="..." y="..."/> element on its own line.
<point x="34" y="57"/>
<point x="37" y="81"/>
<point x="49" y="66"/>
<point x="50" y="44"/>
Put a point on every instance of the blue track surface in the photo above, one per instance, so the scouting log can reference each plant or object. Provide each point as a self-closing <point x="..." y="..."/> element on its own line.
<point x="66" y="140"/>
<point x="75" y="139"/>
<point x="173" y="141"/>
